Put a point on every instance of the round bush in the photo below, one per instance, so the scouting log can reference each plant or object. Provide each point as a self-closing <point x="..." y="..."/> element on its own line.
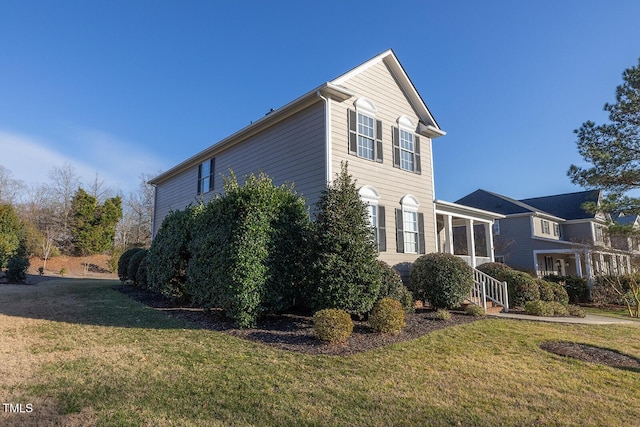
<point x="442" y="314"/>
<point x="141" y="274"/>
<point x="546" y="290"/>
<point x="332" y="325"/>
<point x="558" y="308"/>
<point x="134" y="263"/>
<point x="17" y="269"/>
<point x="538" y="308"/>
<point x="387" y="316"/>
<point x="522" y="287"/>
<point x="475" y="310"/>
<point x="443" y="280"/>
<point x="576" y="311"/>
<point x="123" y="263"/>
<point x="393" y="287"/>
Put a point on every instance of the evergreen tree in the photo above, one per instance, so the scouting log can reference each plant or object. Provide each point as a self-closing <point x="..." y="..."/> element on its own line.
<point x="613" y="149"/>
<point x="11" y="234"/>
<point x="93" y="225"/>
<point x="345" y="268"/>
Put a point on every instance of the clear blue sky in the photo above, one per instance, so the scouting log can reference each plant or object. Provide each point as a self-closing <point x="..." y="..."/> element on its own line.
<point x="128" y="87"/>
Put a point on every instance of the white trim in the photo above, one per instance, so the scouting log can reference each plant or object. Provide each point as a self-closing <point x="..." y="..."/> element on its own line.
<point x="407" y="123"/>
<point x="369" y="194"/>
<point x="410" y="203"/>
<point x="366" y="106"/>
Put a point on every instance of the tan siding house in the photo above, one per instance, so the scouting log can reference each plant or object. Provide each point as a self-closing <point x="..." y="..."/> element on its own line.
<point x="371" y="117"/>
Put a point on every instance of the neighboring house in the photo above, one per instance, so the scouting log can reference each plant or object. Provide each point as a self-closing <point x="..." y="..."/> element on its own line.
<point x="553" y="234"/>
<point x="371" y="117"/>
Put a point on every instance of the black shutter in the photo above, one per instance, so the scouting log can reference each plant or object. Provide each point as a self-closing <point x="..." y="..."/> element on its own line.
<point x="199" y="178"/>
<point x="382" y="230"/>
<point x="418" y="167"/>
<point x="353" y="132"/>
<point x="421" y="248"/>
<point x="212" y="168"/>
<point x="399" y="231"/>
<point x="396" y="147"/>
<point x="379" y="141"/>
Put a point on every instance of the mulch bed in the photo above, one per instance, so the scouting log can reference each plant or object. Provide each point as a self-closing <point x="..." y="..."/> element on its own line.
<point x="294" y="332"/>
<point x="589" y="353"/>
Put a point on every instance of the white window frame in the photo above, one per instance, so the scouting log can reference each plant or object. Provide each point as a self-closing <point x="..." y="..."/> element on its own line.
<point x="545" y="227"/>
<point x="496" y="227"/>
<point x="410" y="226"/>
<point x="407" y="144"/>
<point x="205" y="177"/>
<point x="370" y="196"/>
<point x="365" y="132"/>
<point x="556" y="229"/>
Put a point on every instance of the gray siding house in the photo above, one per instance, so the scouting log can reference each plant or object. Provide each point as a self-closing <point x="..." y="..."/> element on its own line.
<point x="373" y="118"/>
<point x="553" y="234"/>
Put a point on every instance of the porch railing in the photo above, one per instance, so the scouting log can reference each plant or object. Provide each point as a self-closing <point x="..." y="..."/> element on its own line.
<point x="486" y="288"/>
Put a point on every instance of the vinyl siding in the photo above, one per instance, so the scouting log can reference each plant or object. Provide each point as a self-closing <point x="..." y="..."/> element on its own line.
<point x="578" y="232"/>
<point x="290" y="151"/>
<point x="537" y="228"/>
<point x="514" y="242"/>
<point x="378" y="85"/>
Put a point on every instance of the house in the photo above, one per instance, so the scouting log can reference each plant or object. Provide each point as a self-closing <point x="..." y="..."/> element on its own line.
<point x="553" y="234"/>
<point x="371" y="117"/>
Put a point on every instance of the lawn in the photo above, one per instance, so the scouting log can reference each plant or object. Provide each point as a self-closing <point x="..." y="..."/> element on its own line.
<point x="81" y="354"/>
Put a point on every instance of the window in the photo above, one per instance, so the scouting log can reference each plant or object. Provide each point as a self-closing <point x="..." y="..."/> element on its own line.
<point x="410" y="220"/>
<point x="500" y="259"/>
<point x="365" y="137"/>
<point x="545" y="226"/>
<point x="365" y="132"/>
<point x="370" y="196"/>
<point x="496" y="227"/>
<point x="406" y="146"/>
<point x="409" y="227"/>
<point x="599" y="236"/>
<point x="556" y="230"/>
<point x="206" y="171"/>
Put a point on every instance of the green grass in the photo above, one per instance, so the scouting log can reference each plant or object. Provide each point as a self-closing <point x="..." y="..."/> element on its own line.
<point x="116" y="362"/>
<point x="618" y="312"/>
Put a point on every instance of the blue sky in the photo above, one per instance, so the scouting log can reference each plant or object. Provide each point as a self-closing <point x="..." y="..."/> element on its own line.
<point x="121" y="88"/>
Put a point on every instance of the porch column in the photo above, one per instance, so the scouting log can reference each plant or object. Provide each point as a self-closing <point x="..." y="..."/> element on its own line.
<point x="578" y="264"/>
<point x="448" y="234"/>
<point x="601" y="263"/>
<point x="628" y="264"/>
<point x="588" y="266"/>
<point x="488" y="235"/>
<point x="471" y="242"/>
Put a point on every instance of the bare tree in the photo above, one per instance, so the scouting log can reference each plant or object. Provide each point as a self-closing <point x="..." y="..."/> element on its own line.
<point x="135" y="227"/>
<point x="10" y="188"/>
<point x="99" y="190"/>
<point x="64" y="183"/>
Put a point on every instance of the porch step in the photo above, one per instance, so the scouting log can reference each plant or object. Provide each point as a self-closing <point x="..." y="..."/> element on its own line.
<point x="492" y="307"/>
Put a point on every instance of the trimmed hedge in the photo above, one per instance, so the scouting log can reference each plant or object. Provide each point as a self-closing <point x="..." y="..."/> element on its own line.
<point x="576" y="287"/>
<point x="392" y="286"/>
<point x="134" y="264"/>
<point x="522" y="286"/>
<point x="332" y="325"/>
<point x="387" y="316"/>
<point x="123" y="263"/>
<point x="443" y="280"/>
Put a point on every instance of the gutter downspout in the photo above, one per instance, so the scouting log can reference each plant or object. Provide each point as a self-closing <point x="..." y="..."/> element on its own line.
<point x="327" y="134"/>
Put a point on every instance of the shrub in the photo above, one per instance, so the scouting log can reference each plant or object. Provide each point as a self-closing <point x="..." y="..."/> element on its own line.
<point x="538" y="308"/>
<point x="387" y="316"/>
<point x="123" y="263"/>
<point x="249" y="250"/>
<point x="63" y="271"/>
<point x="112" y="262"/>
<point x="443" y="280"/>
<point x="442" y="314"/>
<point x="475" y="310"/>
<point x="168" y="256"/>
<point x="576" y="287"/>
<point x="141" y="273"/>
<point x="17" y="269"/>
<point x="558" y="308"/>
<point x="332" y="325"/>
<point x="392" y="286"/>
<point x="521" y="286"/>
<point x="551" y="291"/>
<point x="345" y="269"/>
<point x="134" y="263"/>
<point x="575" y="310"/>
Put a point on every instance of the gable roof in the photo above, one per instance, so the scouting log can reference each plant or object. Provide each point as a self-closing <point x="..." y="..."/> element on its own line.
<point x="626" y="219"/>
<point x="568" y="205"/>
<point x="335" y="89"/>
<point x="493" y="202"/>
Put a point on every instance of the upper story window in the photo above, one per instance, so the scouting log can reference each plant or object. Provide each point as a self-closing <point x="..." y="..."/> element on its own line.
<point x="365" y="132"/>
<point x="206" y="170"/>
<point x="545" y="226"/>
<point x="370" y="196"/>
<point x="406" y="146"/>
<point x="556" y="230"/>
<point x="496" y="227"/>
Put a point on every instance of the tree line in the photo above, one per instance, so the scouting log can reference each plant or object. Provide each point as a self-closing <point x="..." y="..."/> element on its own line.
<point x="67" y="216"/>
